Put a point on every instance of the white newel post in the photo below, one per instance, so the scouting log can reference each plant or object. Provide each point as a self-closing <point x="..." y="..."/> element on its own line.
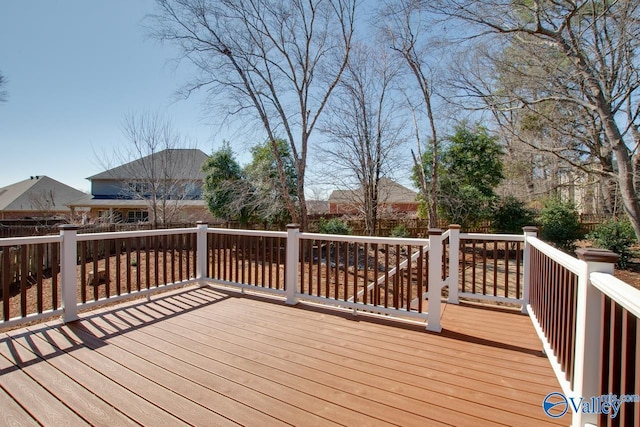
<point x="588" y="315"/>
<point x="68" y="272"/>
<point x="291" y="271"/>
<point x="201" y="250"/>
<point x="454" y="261"/>
<point x="435" y="280"/>
<point x="529" y="231"/>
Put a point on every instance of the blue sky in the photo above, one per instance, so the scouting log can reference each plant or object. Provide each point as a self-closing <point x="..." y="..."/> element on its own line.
<point x="74" y="69"/>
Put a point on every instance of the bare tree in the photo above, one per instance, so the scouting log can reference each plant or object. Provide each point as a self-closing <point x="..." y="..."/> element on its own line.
<point x="274" y="61"/>
<point x="594" y="46"/>
<point x="406" y="30"/>
<point x="44" y="202"/>
<point x="157" y="166"/>
<point x="542" y="139"/>
<point x="365" y="130"/>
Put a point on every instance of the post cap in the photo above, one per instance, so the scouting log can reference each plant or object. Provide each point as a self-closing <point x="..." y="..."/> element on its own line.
<point x="435" y="232"/>
<point x="530" y="229"/>
<point x="597" y="255"/>
<point x="455" y="226"/>
<point x="68" y="227"/>
<point x="292" y="226"/>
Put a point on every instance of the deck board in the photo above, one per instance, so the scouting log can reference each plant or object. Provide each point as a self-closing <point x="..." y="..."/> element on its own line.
<point x="205" y="356"/>
<point x="64" y="387"/>
<point x="12" y="414"/>
<point x="56" y="350"/>
<point x="42" y="405"/>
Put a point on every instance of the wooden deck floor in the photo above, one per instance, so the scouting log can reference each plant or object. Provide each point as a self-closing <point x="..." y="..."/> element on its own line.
<point x="212" y="357"/>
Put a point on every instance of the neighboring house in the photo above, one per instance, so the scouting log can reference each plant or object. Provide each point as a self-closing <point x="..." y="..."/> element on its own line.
<point x="317" y="207"/>
<point x="392" y="198"/>
<point x="167" y="184"/>
<point x="38" y="197"/>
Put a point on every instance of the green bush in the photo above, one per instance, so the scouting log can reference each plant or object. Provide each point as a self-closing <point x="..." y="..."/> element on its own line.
<point x="400" y="231"/>
<point x="465" y="205"/>
<point x="617" y="236"/>
<point x="333" y="226"/>
<point x="510" y="215"/>
<point x="560" y="224"/>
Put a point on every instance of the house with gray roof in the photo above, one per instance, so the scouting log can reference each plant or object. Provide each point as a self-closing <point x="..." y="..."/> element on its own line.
<point x="38" y="197"/>
<point x="162" y="187"/>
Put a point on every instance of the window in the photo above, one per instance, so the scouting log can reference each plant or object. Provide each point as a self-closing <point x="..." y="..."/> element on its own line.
<point x="137" y="216"/>
<point x="139" y="187"/>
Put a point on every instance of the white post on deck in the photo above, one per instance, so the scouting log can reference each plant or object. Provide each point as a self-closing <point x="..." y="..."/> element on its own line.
<point x="435" y="280"/>
<point x="588" y="329"/>
<point x="454" y="260"/>
<point x="201" y="251"/>
<point x="529" y="231"/>
<point x="68" y="272"/>
<point x="291" y="271"/>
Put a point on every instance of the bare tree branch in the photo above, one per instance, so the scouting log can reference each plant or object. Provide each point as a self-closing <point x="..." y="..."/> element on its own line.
<point x="277" y="62"/>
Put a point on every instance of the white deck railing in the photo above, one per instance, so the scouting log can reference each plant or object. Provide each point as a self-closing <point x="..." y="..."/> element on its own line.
<point x="96" y="269"/>
<point x="365" y="294"/>
<point x="578" y="308"/>
<point x="571" y="309"/>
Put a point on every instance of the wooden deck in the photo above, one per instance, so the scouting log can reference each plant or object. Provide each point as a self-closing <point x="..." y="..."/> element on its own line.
<point x="212" y="357"/>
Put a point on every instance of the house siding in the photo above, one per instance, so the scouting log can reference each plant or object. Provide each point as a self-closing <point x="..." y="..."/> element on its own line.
<point x="120" y="190"/>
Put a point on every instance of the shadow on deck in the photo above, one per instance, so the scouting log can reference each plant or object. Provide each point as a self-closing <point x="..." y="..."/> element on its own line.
<point x="208" y="356"/>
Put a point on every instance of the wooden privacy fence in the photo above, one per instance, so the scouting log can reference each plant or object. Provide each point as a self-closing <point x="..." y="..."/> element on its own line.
<point x="13" y="230"/>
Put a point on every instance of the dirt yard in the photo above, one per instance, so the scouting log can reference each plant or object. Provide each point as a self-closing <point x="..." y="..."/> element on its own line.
<point x="630" y="275"/>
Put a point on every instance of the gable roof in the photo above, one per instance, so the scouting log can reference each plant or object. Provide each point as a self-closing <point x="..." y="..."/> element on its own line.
<point x="38" y="193"/>
<point x="389" y="192"/>
<point x="183" y="163"/>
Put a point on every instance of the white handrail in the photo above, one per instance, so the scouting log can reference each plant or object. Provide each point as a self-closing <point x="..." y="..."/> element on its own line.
<point x="237" y="232"/>
<point x="34" y="240"/>
<point x="499" y="237"/>
<point x="619" y="291"/>
<point x="572" y="264"/>
<point x="87" y="237"/>
<point x="365" y="239"/>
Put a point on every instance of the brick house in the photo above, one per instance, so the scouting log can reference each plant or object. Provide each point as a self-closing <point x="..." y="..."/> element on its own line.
<point x="393" y="198"/>
<point x="38" y="197"/>
<point x="167" y="184"/>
